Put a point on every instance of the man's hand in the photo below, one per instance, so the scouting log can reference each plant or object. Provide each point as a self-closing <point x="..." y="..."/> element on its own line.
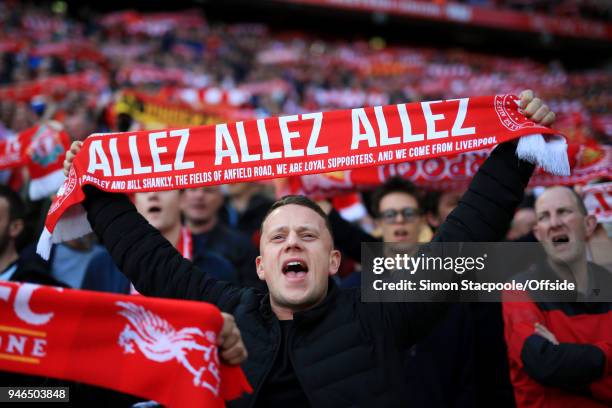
<point x="541" y="330"/>
<point x="74" y="149"/>
<point x="230" y="343"/>
<point x="535" y="109"/>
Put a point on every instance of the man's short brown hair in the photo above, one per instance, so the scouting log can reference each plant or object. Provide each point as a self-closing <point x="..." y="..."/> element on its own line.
<point x="304" y="202"/>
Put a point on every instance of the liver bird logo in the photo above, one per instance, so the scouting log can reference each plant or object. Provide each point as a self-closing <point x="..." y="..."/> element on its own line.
<point x="46" y="145"/>
<point x="160" y="342"/>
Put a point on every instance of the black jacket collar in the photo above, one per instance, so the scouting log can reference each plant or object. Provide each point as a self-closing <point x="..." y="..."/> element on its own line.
<point x="307" y="315"/>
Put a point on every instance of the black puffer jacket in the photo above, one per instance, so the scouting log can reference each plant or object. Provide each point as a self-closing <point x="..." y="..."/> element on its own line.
<point x="346" y="353"/>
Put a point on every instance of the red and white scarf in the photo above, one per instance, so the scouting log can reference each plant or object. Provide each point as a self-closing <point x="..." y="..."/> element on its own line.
<point x="41" y="149"/>
<point x="292" y="145"/>
<point x="131" y="344"/>
<point x="598" y="200"/>
<point x="25" y="91"/>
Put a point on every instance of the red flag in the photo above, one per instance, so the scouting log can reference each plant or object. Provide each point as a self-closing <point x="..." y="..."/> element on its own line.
<point x="160" y="349"/>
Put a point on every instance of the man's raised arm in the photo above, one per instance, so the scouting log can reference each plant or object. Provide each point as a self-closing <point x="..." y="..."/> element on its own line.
<point x="486" y="209"/>
<point x="482" y="215"/>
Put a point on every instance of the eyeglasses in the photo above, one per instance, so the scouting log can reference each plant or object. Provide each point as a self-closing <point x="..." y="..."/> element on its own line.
<point x="408" y="214"/>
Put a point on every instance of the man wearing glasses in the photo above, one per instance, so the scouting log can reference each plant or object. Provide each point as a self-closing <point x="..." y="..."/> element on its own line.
<point x="398" y="215"/>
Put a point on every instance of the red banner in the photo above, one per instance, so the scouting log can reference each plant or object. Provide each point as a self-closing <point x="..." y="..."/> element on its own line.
<point x="131" y="344"/>
<point x="292" y="145"/>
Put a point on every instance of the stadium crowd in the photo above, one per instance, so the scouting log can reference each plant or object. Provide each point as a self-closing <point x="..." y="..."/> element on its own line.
<point x="78" y="71"/>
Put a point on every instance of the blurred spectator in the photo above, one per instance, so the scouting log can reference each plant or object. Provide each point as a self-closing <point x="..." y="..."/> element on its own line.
<point x="102" y="275"/>
<point x="600" y="247"/>
<point x="523" y="222"/>
<point x="247" y="205"/>
<point x="11" y="226"/>
<point x="12" y="266"/>
<point x="398" y="217"/>
<point x="162" y="210"/>
<point x="438" y="204"/>
<point x="201" y="208"/>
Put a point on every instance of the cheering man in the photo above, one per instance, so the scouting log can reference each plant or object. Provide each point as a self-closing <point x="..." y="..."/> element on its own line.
<point x="311" y="344"/>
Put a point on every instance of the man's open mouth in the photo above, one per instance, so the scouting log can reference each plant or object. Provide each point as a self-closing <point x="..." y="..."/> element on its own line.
<point x="295" y="269"/>
<point x="560" y="240"/>
<point x="154" y="209"/>
<point x="401" y="233"/>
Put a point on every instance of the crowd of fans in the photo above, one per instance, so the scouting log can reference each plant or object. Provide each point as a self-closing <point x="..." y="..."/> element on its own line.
<point x="254" y="71"/>
<point x="250" y="70"/>
<point x="248" y="66"/>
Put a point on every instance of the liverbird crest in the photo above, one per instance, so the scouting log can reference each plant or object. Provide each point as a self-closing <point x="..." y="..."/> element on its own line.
<point x="159" y="341"/>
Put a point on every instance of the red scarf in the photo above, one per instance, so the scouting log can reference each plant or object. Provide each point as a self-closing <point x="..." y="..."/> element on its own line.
<point x="292" y="145"/>
<point x="598" y="201"/>
<point x="41" y="149"/>
<point x="131" y="344"/>
<point x="185" y="243"/>
<point x="82" y="81"/>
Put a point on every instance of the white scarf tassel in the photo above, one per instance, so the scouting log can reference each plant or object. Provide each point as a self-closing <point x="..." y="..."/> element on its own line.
<point x="72" y="225"/>
<point x="551" y="155"/>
